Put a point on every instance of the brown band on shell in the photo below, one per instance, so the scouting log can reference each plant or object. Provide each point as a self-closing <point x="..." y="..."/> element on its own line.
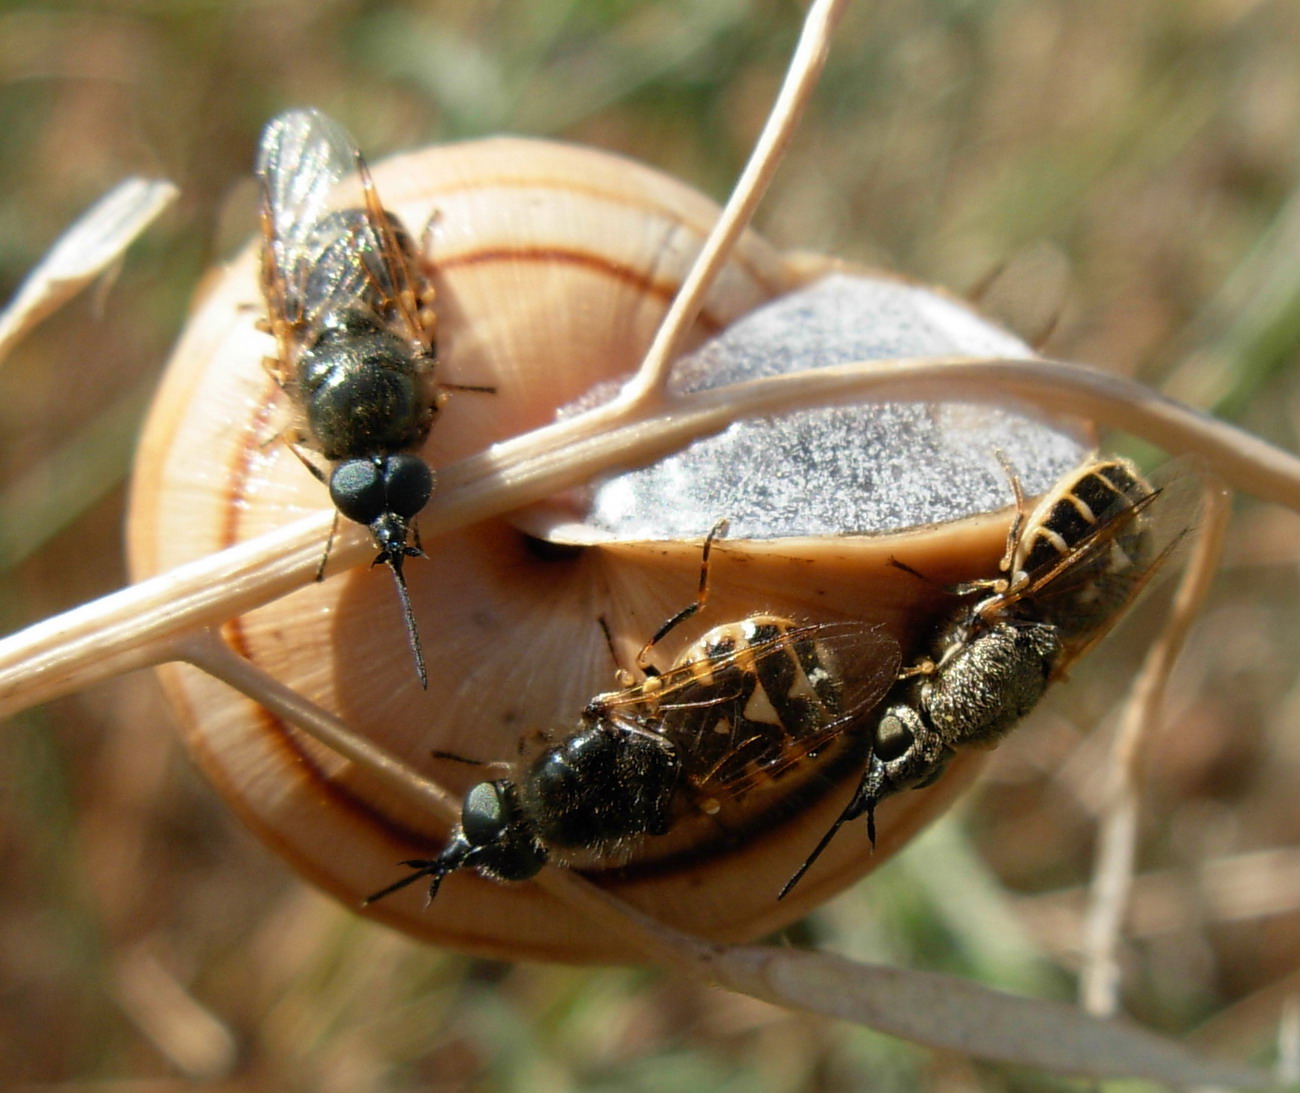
<point x="660" y="290"/>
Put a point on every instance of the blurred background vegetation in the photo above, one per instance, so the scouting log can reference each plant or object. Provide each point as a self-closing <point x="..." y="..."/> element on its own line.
<point x="1131" y="168"/>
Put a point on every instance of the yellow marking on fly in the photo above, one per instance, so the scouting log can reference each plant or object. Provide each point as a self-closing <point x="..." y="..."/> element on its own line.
<point x="1081" y="506"/>
<point x="759" y="709"/>
<point x="1058" y="543"/>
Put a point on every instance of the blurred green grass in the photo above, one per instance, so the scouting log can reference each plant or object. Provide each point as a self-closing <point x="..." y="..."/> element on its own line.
<point x="1149" y="149"/>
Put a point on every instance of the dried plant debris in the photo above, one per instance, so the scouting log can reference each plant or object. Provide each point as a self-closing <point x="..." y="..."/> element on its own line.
<point x="95" y="241"/>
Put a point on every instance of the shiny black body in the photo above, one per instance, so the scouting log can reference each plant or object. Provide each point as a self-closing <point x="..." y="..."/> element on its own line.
<point x="1075" y="564"/>
<point x="740" y="708"/>
<point x="362" y="379"/>
<point x="350" y="307"/>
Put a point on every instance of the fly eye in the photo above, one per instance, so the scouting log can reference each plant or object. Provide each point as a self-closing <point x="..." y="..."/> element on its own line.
<point x="408" y="484"/>
<point x="486" y="813"/>
<point x="365" y="489"/>
<point x="893" y="737"/>
<point x="359" y="490"/>
<point x="501" y="840"/>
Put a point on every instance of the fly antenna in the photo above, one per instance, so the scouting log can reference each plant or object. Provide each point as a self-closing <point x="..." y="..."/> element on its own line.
<point x="864" y="800"/>
<point x="422" y="868"/>
<point x="452" y="858"/>
<point x="394" y="560"/>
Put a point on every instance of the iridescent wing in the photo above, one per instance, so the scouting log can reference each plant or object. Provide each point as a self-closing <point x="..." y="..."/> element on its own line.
<point x="1089" y="587"/>
<point x="302" y="158"/>
<point x="328" y="244"/>
<point x="747" y="707"/>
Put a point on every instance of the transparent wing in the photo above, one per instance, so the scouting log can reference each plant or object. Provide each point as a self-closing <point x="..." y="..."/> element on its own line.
<point x="1082" y="593"/>
<point x="746" y="716"/>
<point x="849" y="640"/>
<point x="303" y="156"/>
<point x="329" y="245"/>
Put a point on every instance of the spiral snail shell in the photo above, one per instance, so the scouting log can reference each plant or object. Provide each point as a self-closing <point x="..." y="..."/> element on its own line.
<point x="552" y="266"/>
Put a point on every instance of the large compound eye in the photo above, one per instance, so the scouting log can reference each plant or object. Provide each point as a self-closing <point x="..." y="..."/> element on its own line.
<point x="516" y="636"/>
<point x="486" y="813"/>
<point x="502" y="841"/>
<point x="408" y="484"/>
<point x="359" y="490"/>
<point x="893" y="734"/>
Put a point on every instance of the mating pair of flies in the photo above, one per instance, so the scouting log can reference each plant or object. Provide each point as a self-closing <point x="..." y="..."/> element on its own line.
<point x="351" y="308"/>
<point x="753" y="700"/>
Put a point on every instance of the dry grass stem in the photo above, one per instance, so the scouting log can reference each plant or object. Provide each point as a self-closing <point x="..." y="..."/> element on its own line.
<point x="1112" y="881"/>
<point x="142" y="625"/>
<point x="957" y="1015"/>
<point x="207" y="651"/>
<point x="940" y="1011"/>
<point x="647" y="387"/>
<point x="1117" y="843"/>
<point x="83" y="252"/>
<point x="138" y="624"/>
<point x="190" y="1037"/>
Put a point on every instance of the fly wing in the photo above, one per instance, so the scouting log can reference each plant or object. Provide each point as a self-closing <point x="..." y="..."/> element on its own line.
<point x="765" y="708"/>
<point x="329" y="243"/>
<point x="302" y="157"/>
<point x="1091" y="587"/>
<point x="308" y="259"/>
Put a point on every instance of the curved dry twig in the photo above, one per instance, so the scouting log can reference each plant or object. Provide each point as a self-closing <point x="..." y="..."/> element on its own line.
<point x="648" y="385"/>
<point x="134" y="628"/>
<point x="66" y="653"/>
<point x="91" y="245"/>
<point x="1117" y="839"/>
<point x="937" y="1010"/>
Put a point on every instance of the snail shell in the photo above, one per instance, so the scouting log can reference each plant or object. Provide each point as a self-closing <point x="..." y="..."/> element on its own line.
<point x="553" y="266"/>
